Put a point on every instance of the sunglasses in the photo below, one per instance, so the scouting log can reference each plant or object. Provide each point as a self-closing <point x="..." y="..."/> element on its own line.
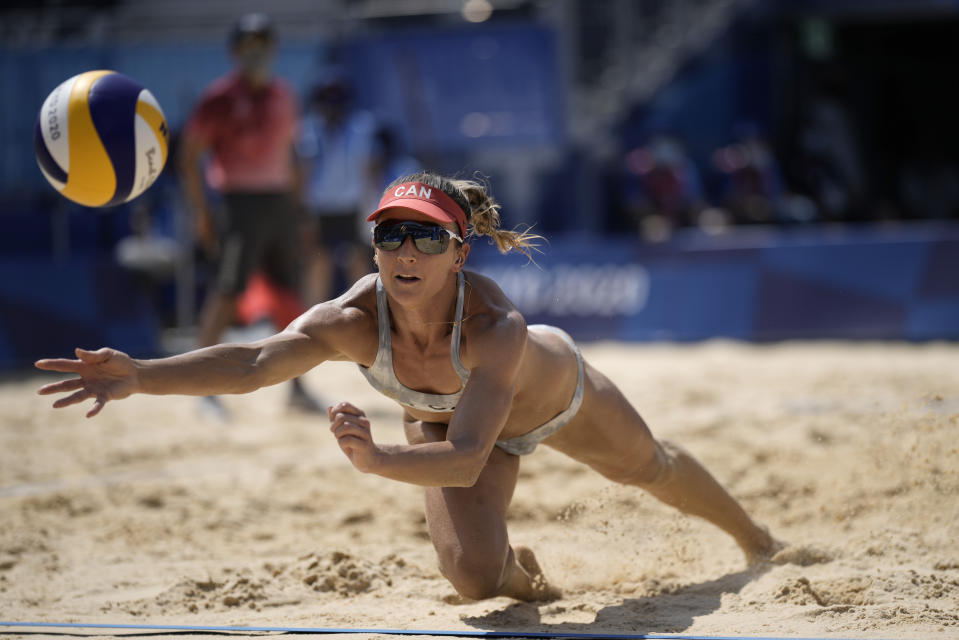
<point x="431" y="239"/>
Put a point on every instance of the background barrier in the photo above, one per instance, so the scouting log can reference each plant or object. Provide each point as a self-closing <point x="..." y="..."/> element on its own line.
<point x="749" y="284"/>
<point x="47" y="308"/>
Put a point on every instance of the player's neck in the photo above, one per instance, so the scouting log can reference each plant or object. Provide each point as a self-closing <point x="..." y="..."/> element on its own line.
<point x="430" y="321"/>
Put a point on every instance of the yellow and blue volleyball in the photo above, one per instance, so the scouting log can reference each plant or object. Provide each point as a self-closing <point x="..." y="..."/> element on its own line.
<point x="101" y="138"/>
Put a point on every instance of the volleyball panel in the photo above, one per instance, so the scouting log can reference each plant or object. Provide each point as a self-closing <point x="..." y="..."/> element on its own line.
<point x="54" y="174"/>
<point x="148" y="156"/>
<point x="113" y="102"/>
<point x="151" y="137"/>
<point x="51" y="138"/>
<point x="91" y="180"/>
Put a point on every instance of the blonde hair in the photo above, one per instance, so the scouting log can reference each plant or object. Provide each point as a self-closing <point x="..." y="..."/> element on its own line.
<point x="482" y="211"/>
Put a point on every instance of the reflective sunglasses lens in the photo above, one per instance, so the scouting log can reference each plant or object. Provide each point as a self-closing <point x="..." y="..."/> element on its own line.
<point x="429" y="239"/>
<point x="434" y="244"/>
<point x="388" y="237"/>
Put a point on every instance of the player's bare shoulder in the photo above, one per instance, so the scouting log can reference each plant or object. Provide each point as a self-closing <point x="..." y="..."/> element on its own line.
<point x="346" y="325"/>
<point x="491" y="322"/>
<point x="488" y="290"/>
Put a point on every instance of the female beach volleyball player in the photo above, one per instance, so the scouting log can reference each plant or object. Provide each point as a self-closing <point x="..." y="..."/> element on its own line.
<point x="478" y="386"/>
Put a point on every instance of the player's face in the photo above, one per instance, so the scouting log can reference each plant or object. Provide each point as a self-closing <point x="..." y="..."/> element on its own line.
<point x="411" y="274"/>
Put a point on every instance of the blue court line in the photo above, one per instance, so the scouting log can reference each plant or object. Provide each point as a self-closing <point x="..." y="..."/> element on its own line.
<point x="399" y="632"/>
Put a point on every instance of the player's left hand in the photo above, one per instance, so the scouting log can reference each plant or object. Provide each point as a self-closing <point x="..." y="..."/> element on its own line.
<point x="352" y="430"/>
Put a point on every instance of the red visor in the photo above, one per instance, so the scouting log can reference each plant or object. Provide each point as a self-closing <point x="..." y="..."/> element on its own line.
<point x="427" y="200"/>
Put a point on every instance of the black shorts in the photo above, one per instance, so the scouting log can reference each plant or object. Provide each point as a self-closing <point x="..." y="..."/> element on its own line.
<point x="260" y="232"/>
<point x="335" y="229"/>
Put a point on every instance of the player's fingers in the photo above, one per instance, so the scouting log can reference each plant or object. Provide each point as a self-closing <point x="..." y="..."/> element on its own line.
<point x="92" y="357"/>
<point x="59" y="387"/>
<point x="79" y="396"/>
<point x="346" y="407"/>
<point x="360" y="425"/>
<point x="62" y="365"/>
<point x="97" y="406"/>
<point x="349" y="429"/>
<point x="348" y="418"/>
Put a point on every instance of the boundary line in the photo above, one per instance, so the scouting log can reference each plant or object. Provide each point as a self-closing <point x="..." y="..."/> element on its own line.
<point x="397" y="632"/>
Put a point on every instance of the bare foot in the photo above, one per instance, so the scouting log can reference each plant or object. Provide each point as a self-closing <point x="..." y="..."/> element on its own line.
<point x="803" y="555"/>
<point x="455" y="598"/>
<point x="542" y="591"/>
<point x="763" y="549"/>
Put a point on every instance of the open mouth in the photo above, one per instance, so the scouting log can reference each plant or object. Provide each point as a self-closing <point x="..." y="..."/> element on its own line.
<point x="407" y="278"/>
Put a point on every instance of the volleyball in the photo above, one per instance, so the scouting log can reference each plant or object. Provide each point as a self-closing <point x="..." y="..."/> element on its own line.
<point x="101" y="138"/>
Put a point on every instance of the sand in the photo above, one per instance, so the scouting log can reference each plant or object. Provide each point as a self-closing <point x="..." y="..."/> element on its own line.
<point x="153" y="514"/>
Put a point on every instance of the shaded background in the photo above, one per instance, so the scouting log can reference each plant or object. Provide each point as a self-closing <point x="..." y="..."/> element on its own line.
<point x="561" y="104"/>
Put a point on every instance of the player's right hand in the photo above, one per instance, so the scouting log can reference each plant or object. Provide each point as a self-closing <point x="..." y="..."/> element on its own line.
<point x="105" y="374"/>
<point x="352" y="430"/>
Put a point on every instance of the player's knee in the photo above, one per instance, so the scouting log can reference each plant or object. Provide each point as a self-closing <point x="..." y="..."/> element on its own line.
<point x="647" y="467"/>
<point x="478" y="586"/>
<point x="473" y="577"/>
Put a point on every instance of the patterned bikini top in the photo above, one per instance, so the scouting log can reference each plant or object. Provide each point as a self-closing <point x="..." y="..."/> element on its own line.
<point x="381" y="375"/>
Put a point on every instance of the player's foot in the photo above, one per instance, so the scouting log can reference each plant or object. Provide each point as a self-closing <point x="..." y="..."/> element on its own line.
<point x="763" y="549"/>
<point x="803" y="555"/>
<point x="542" y="590"/>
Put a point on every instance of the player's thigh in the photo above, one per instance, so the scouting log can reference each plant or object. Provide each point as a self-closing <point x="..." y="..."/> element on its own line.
<point x="468" y="524"/>
<point x="421" y="431"/>
<point x="607" y="433"/>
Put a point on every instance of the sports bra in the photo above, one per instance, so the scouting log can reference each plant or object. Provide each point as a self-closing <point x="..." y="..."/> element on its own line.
<point x="381" y="376"/>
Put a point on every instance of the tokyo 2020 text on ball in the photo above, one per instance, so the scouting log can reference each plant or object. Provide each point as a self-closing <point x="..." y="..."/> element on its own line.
<point x="101" y="138"/>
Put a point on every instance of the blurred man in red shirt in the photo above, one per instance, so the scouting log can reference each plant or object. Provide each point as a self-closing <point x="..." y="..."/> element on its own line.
<point x="244" y="126"/>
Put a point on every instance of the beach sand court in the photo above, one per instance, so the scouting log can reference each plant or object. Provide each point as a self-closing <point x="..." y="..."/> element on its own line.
<point x="153" y="514"/>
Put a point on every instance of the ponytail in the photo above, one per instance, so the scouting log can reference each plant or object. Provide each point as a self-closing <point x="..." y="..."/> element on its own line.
<point x="481" y="210"/>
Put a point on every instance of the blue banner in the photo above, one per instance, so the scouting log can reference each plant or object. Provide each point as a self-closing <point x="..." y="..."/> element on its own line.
<point x="750" y="284"/>
<point x="48" y="308"/>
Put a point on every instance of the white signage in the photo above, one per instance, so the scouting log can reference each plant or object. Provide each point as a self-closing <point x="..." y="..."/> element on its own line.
<point x="574" y="289"/>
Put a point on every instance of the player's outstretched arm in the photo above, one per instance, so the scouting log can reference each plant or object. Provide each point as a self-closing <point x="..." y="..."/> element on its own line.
<point x="108" y="374"/>
<point x="328" y="331"/>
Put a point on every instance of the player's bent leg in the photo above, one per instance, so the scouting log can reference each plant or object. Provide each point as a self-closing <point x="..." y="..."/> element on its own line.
<point x="468" y="529"/>
<point x="609" y="435"/>
<point x="467" y="526"/>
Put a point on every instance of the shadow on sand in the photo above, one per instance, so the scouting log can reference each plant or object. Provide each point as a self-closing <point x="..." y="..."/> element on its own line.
<point x="668" y="612"/>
